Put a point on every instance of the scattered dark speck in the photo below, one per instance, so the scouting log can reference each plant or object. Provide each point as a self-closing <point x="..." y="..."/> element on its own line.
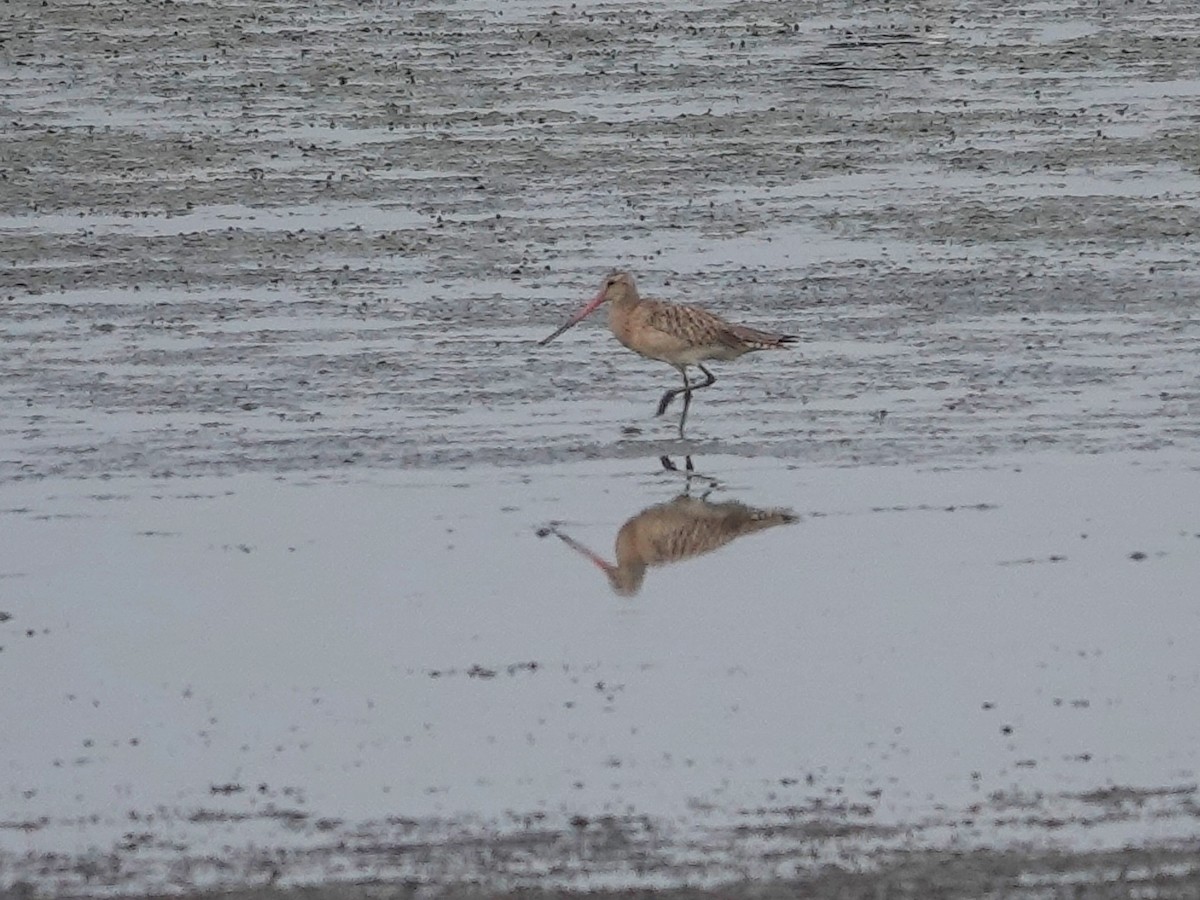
<point x="1138" y="555"/>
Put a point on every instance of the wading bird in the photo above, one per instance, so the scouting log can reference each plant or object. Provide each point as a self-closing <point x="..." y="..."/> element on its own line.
<point x="674" y="333"/>
<point x="680" y="529"/>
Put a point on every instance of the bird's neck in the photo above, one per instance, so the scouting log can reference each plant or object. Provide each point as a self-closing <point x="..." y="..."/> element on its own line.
<point x="626" y="302"/>
<point x="619" y="313"/>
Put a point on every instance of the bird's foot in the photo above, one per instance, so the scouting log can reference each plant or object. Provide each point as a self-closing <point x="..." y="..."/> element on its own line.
<point x="708" y="483"/>
<point x="669" y="464"/>
<point x="689" y="473"/>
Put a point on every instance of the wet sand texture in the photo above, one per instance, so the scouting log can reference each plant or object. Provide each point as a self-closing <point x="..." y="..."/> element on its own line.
<point x="277" y="236"/>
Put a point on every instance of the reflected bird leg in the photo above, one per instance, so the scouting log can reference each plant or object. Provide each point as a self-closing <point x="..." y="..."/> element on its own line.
<point x="690" y="473"/>
<point x="688" y="465"/>
<point x="710" y="484"/>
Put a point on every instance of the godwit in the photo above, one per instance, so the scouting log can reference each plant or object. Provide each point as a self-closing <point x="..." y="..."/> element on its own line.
<point x="676" y="334"/>
<point x="670" y="532"/>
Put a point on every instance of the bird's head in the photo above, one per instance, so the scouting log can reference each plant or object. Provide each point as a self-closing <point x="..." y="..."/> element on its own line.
<point x="615" y="287"/>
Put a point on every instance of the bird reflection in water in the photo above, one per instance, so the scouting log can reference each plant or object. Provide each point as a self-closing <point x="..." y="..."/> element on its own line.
<point x="682" y="528"/>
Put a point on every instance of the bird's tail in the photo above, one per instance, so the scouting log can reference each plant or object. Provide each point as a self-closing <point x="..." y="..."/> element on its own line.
<point x="762" y="340"/>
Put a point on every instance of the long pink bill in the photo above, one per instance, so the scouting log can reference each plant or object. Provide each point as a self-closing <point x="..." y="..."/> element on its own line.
<point x="601" y="563"/>
<point x="592" y="306"/>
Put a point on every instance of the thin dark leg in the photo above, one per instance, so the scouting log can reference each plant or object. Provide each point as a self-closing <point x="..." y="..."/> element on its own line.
<point x="687" y="401"/>
<point x="687" y="389"/>
<point x="669" y="397"/>
<point x="687" y="395"/>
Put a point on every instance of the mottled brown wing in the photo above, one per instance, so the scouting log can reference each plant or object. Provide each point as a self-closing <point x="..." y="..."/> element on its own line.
<point x="690" y="324"/>
<point x="688" y="527"/>
<point x="698" y="327"/>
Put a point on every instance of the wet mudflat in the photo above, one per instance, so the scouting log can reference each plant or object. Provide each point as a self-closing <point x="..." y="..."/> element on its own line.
<point x="297" y="517"/>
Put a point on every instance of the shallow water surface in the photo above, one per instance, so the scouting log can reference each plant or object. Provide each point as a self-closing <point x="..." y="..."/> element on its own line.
<point x="302" y="660"/>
